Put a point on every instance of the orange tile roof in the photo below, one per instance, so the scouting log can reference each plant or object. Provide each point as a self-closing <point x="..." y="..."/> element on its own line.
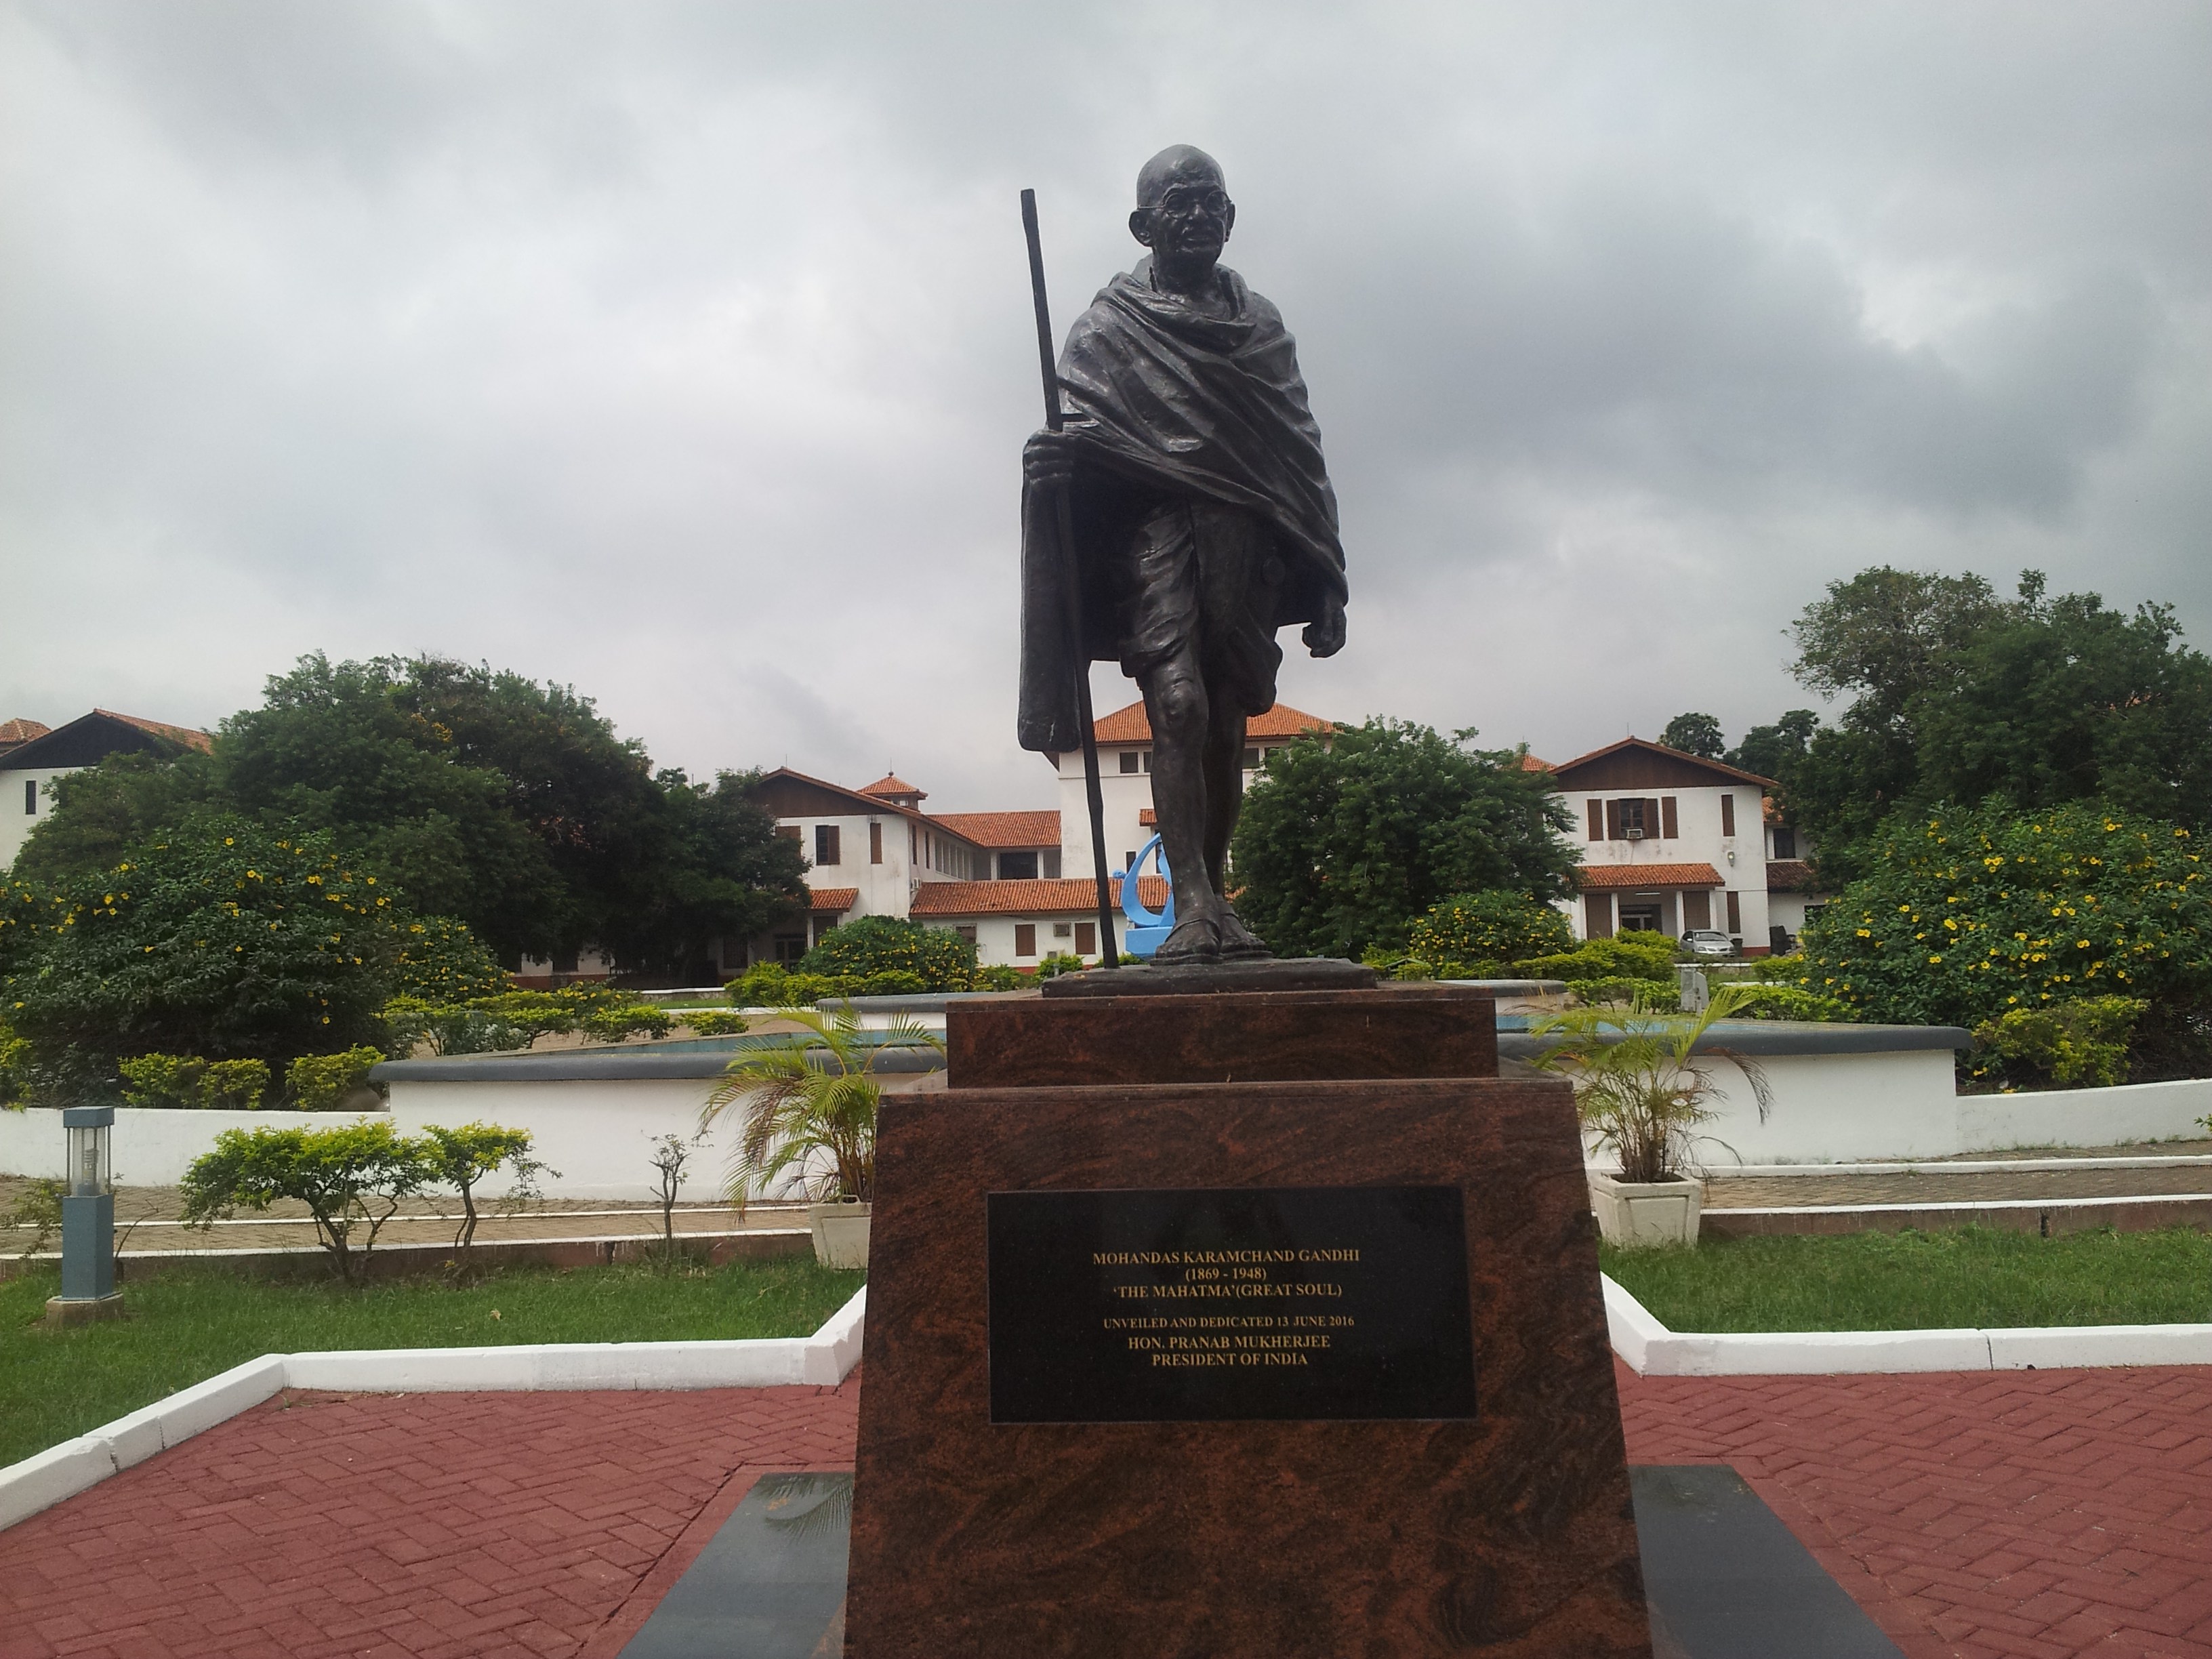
<point x="1003" y="828"/>
<point x="1789" y="876"/>
<point x="185" y="736"/>
<point x="1530" y="763"/>
<point x="823" y="901"/>
<point x="1025" y="899"/>
<point x="1130" y="725"/>
<point x="21" y="730"/>
<point x="891" y="784"/>
<point x="1648" y="875"/>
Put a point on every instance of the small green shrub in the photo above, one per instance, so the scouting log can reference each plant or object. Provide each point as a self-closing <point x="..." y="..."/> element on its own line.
<point x="162" y="1080"/>
<point x="237" y="1085"/>
<point x="2084" y="1042"/>
<point x="873" y="947"/>
<point x="461" y="1157"/>
<point x="1789" y="1002"/>
<point x="1631" y="956"/>
<point x="1653" y="995"/>
<point x="319" y="1083"/>
<point x="1059" y="963"/>
<point x="352" y="1179"/>
<point x="1472" y="935"/>
<point x="1002" y="976"/>
<point x="714" y="1021"/>
<point x="627" y="1019"/>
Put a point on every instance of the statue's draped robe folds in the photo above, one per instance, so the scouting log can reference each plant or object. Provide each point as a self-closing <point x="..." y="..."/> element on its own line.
<point x="1169" y="403"/>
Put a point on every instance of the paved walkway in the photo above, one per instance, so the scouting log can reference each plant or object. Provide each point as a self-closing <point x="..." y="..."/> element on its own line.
<point x="2035" y="1513"/>
<point x="1929" y="1182"/>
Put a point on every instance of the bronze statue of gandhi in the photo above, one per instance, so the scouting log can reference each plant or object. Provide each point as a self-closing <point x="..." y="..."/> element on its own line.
<point x="1203" y="518"/>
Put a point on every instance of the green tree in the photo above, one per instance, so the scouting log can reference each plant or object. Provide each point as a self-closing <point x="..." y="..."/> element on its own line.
<point x="1966" y="914"/>
<point x="352" y="1179"/>
<point x="463" y="1158"/>
<point x="1344" y="841"/>
<point x="227" y="940"/>
<point x="510" y="805"/>
<point x="1695" y="734"/>
<point x="1773" y="752"/>
<point x="2063" y="700"/>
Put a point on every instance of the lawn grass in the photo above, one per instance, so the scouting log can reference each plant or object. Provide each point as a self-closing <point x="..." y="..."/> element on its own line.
<point x="1976" y="1277"/>
<point x="186" y="1323"/>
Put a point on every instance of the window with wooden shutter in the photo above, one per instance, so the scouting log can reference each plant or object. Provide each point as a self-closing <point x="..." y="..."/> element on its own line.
<point x="825" y="843"/>
<point x="875" y="843"/>
<point x="1025" y="939"/>
<point x="1697" y="909"/>
<point x="1669" y="826"/>
<point x="1727" y="816"/>
<point x="1613" y="821"/>
<point x="1596" y="820"/>
<point x="1086" y="938"/>
<point x="1735" y="915"/>
<point x="1651" y="819"/>
<point x="1597" y="915"/>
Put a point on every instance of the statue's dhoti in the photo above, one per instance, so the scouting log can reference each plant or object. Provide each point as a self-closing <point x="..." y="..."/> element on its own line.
<point x="1199" y="581"/>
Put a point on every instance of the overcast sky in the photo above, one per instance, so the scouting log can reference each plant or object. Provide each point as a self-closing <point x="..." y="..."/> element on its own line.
<point x="683" y="353"/>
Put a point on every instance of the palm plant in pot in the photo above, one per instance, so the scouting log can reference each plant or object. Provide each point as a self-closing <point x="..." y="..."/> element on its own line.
<point x="1640" y="1080"/>
<point x="809" y="1102"/>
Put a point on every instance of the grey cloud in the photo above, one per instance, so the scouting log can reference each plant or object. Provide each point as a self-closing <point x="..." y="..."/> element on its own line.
<point x="681" y="350"/>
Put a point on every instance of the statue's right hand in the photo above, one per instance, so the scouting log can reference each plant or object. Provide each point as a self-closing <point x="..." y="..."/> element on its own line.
<point x="1049" y="458"/>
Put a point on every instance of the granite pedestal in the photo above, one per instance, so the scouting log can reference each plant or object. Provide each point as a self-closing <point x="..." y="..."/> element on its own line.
<point x="1203" y="1358"/>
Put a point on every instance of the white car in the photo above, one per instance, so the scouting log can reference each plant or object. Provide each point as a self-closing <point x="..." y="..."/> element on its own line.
<point x="1703" y="942"/>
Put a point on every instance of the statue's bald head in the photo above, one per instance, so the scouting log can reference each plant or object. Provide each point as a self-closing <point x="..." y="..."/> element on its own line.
<point x="1178" y="164"/>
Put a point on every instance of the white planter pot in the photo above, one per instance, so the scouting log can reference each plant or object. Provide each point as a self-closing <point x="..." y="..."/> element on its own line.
<point x="840" y="1234"/>
<point x="1635" y="1214"/>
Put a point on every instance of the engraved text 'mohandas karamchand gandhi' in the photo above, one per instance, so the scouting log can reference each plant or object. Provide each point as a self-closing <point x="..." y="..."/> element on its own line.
<point x="1204" y="522"/>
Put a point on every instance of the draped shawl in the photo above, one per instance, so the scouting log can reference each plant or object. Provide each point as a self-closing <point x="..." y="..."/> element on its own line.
<point x="1166" y="400"/>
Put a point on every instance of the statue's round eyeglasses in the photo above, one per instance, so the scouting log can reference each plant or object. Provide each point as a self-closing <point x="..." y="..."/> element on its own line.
<point x="1181" y="200"/>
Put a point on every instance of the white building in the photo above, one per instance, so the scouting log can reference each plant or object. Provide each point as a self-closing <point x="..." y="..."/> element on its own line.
<point x="1017" y="884"/>
<point x="32" y="755"/>
<point x="1669" y="841"/>
<point x="1125" y="778"/>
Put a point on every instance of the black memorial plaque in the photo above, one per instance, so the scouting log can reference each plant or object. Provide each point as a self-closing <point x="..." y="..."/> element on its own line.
<point x="1217" y="1304"/>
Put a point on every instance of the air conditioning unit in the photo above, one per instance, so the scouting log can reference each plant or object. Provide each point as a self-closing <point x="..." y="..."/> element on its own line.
<point x="1632" y="835"/>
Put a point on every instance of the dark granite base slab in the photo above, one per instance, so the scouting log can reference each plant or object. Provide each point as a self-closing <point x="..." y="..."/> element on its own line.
<point x="770" y="1584"/>
<point x="1238" y="1036"/>
<point x="1725" y="1578"/>
<point x="1188" y="979"/>
<point x="1512" y="1533"/>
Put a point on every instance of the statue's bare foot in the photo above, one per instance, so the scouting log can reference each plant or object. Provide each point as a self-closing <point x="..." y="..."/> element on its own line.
<point x="1238" y="942"/>
<point x="1195" y="940"/>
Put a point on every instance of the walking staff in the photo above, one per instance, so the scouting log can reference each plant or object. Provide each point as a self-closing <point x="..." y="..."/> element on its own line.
<point x="1078" y="653"/>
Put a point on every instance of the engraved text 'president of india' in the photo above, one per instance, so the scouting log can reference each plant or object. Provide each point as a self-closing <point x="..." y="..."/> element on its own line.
<point x="1203" y="521"/>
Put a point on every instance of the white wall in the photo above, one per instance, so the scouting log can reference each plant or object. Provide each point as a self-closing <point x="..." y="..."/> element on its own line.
<point x="599" y="1135"/>
<point x="17" y="825"/>
<point x="150" y="1147"/>
<point x="1843" y="1107"/>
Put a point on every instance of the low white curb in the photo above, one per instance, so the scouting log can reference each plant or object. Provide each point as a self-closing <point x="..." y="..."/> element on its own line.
<point x="1649" y="1349"/>
<point x="823" y="1360"/>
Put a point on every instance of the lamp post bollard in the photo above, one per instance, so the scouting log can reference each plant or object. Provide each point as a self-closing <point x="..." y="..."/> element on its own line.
<point x="88" y="1290"/>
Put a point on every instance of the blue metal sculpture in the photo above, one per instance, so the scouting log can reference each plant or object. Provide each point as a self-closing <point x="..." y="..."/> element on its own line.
<point x="1147" y="930"/>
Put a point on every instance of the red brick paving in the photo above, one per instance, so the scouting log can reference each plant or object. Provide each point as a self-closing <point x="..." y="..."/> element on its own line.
<point x="2041" y="1514"/>
<point x="457" y="1526"/>
<point x="2019" y="1513"/>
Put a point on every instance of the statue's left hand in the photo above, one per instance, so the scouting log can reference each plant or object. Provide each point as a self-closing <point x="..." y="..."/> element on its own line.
<point x="1324" y="636"/>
